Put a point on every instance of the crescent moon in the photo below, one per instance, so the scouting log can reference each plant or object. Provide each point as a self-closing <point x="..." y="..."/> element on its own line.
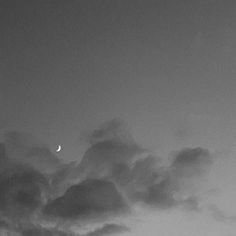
<point x="59" y="148"/>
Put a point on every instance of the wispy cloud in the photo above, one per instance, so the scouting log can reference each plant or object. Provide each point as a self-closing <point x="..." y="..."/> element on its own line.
<point x="220" y="215"/>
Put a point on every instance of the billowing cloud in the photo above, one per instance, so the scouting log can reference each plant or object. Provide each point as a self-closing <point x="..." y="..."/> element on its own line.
<point x="140" y="175"/>
<point x="89" y="199"/>
<point x="103" y="155"/>
<point x="110" y="147"/>
<point x="37" y="190"/>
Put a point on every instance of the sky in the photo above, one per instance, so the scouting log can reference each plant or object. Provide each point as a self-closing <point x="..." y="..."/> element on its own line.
<point x="125" y="87"/>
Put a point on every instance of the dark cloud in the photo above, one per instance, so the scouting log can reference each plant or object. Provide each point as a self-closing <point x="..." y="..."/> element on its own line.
<point x="191" y="162"/>
<point x="109" y="229"/>
<point x="161" y="194"/>
<point x="91" y="198"/>
<point x="40" y="231"/>
<point x="21" y="191"/>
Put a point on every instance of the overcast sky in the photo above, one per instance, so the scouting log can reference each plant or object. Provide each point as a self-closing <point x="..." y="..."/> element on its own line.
<point x="164" y="69"/>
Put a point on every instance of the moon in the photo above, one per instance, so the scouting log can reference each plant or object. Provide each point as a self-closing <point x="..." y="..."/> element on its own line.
<point x="58" y="148"/>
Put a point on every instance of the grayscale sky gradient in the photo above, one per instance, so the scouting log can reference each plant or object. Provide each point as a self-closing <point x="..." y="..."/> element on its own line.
<point x="167" y="68"/>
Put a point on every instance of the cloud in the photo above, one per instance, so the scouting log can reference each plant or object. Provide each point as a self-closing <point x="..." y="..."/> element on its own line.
<point x="4" y="224"/>
<point x="188" y="171"/>
<point x="100" y="158"/>
<point x="43" y="159"/>
<point x="41" y="231"/>
<point x="114" y="175"/>
<point x="220" y="215"/>
<point x="89" y="199"/>
<point x="140" y="175"/>
<point x="111" y="146"/>
<point x="109" y="229"/>
<point x="102" y="155"/>
<point x="160" y="195"/>
<point x="21" y="191"/>
<point x="191" y="162"/>
<point x="166" y="187"/>
<point x="146" y="180"/>
<point x="106" y="229"/>
<point x="59" y="179"/>
<point x="25" y="148"/>
<point x="113" y="129"/>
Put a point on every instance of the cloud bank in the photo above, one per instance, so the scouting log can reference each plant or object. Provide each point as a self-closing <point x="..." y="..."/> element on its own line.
<point x="42" y="195"/>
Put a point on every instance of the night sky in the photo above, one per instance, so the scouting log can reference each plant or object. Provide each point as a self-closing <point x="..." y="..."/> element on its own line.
<point x="140" y="94"/>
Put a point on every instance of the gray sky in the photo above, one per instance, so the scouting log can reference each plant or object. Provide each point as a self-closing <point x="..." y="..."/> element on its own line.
<point x="167" y="68"/>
